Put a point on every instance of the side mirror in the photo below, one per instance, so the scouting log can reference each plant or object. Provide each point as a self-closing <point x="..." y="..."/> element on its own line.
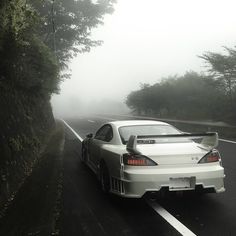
<point x="89" y="135"/>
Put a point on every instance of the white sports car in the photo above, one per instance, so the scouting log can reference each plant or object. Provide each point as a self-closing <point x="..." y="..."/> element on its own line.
<point x="133" y="157"/>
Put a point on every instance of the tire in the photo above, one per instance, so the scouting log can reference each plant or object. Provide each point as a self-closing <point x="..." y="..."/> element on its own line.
<point x="104" y="178"/>
<point x="84" y="156"/>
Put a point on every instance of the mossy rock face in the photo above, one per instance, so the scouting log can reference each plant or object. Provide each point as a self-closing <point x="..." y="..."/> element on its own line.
<point x="16" y="144"/>
<point x="5" y="153"/>
<point x="25" y="123"/>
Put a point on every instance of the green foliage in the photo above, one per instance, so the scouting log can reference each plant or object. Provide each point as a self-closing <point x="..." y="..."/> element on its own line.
<point x="66" y="25"/>
<point x="33" y="67"/>
<point x="26" y="61"/>
<point x="16" y="19"/>
<point x="223" y="68"/>
<point x="38" y="37"/>
<point x="192" y="96"/>
<point x="15" y="144"/>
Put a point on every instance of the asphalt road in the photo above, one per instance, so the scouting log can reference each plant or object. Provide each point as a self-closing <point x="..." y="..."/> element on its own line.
<point x="87" y="211"/>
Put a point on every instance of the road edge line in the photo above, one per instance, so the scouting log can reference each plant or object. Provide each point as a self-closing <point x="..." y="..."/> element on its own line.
<point x="68" y="126"/>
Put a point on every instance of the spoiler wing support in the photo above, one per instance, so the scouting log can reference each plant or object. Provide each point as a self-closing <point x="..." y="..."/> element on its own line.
<point x="131" y="145"/>
<point x="210" y="142"/>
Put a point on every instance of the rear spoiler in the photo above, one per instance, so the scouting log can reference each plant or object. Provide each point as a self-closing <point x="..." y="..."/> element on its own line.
<point x="209" y="141"/>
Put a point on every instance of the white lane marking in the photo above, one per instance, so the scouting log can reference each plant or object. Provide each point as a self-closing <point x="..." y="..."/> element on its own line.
<point x="170" y="219"/>
<point x="227" y="141"/>
<point x="76" y="135"/>
<point x="91" y="121"/>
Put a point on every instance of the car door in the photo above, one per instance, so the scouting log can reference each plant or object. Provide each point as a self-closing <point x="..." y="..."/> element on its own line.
<point x="103" y="136"/>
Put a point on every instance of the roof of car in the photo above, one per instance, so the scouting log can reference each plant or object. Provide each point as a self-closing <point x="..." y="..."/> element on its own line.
<point x="120" y="123"/>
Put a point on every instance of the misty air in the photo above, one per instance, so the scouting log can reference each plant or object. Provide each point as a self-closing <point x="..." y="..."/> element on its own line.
<point x="118" y="117"/>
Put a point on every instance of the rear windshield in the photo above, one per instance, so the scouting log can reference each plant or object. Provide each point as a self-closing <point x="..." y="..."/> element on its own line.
<point x="137" y="130"/>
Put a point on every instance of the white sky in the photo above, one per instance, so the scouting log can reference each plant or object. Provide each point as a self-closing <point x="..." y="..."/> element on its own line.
<point x="145" y="41"/>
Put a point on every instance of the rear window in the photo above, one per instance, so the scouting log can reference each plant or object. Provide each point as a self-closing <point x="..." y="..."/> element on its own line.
<point x="137" y="130"/>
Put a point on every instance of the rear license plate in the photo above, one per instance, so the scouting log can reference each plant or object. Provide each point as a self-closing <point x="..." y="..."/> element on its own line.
<point x="182" y="183"/>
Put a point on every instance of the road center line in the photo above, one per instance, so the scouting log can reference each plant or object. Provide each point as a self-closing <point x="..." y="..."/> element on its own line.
<point x="76" y="135"/>
<point x="160" y="210"/>
<point x="170" y="219"/>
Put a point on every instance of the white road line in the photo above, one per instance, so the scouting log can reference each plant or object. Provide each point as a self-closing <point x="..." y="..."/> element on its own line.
<point x="170" y="219"/>
<point x="227" y="141"/>
<point x="91" y="121"/>
<point x="77" y="136"/>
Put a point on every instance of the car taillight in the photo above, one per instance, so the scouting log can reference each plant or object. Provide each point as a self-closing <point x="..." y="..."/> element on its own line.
<point x="212" y="156"/>
<point x="137" y="160"/>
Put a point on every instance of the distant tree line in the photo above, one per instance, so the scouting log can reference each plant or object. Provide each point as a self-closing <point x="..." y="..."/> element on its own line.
<point x="39" y="37"/>
<point x="206" y="96"/>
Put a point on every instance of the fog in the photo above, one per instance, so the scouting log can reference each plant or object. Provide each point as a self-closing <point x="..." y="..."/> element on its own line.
<point x="144" y="41"/>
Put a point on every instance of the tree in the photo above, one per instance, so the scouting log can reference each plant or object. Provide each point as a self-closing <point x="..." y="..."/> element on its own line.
<point x="66" y="25"/>
<point x="26" y="62"/>
<point x="223" y="68"/>
<point x="192" y="96"/>
<point x="38" y="37"/>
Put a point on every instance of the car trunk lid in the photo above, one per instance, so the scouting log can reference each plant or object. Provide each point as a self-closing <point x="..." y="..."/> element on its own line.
<point x="173" y="149"/>
<point x="174" y="153"/>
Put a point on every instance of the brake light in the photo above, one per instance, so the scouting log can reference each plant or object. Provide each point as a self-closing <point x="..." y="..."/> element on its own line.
<point x="212" y="156"/>
<point x="137" y="160"/>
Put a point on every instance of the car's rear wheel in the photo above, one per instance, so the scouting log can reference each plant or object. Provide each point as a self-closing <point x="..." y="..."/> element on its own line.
<point x="84" y="155"/>
<point x="104" y="178"/>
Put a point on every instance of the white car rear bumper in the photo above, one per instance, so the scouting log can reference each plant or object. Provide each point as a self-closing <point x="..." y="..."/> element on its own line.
<point x="137" y="181"/>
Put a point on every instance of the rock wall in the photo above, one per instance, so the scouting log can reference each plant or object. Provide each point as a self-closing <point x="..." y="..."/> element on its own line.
<point x="26" y="120"/>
